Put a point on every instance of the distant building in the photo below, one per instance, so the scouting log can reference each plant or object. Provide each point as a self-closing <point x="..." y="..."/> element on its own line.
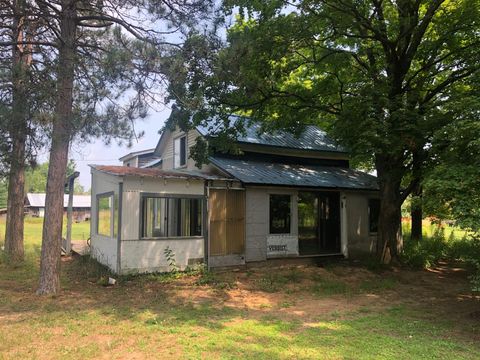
<point x="35" y="206"/>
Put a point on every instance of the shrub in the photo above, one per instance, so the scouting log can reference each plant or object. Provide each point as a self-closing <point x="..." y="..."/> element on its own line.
<point x="427" y="252"/>
<point x="430" y="250"/>
<point x="475" y="278"/>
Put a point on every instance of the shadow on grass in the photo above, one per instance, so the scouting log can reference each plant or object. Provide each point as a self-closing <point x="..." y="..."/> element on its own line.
<point x="146" y="306"/>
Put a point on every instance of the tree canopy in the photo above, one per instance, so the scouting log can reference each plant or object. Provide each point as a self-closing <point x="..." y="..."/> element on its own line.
<point x="385" y="78"/>
<point x="36" y="178"/>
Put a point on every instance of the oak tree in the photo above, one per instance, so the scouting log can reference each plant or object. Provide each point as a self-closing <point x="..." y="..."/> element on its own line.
<point x="383" y="76"/>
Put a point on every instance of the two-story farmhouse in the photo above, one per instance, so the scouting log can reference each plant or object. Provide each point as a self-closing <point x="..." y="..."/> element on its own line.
<point x="283" y="197"/>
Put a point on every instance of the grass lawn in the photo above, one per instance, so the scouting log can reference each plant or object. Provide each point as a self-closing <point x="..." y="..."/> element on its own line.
<point x="339" y="311"/>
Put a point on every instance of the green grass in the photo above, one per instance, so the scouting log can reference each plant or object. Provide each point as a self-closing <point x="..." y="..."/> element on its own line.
<point x="337" y="312"/>
<point x="33" y="230"/>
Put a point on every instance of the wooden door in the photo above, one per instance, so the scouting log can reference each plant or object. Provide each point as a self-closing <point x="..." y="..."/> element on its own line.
<point x="227" y="222"/>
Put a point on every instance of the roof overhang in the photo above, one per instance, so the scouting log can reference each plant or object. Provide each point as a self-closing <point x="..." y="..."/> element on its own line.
<point x="251" y="172"/>
<point x="127" y="171"/>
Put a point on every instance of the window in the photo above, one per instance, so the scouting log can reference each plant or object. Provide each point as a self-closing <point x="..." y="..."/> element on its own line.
<point x="180" y="152"/>
<point x="280" y="214"/>
<point x="373" y="214"/>
<point x="105" y="223"/>
<point x="171" y="217"/>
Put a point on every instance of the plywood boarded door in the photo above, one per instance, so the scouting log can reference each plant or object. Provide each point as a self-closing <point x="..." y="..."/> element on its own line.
<point x="227" y="222"/>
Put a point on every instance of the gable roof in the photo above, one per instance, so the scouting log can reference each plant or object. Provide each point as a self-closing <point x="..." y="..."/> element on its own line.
<point x="79" y="201"/>
<point x="254" y="172"/>
<point x="136" y="153"/>
<point x="312" y="138"/>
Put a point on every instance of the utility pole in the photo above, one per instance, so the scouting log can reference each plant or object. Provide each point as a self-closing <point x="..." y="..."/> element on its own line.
<point x="70" y="183"/>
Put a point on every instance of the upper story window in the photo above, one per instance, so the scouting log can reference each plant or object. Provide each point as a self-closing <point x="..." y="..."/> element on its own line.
<point x="180" y="152"/>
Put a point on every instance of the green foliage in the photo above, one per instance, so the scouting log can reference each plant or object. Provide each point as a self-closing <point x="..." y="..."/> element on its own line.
<point x="384" y="78"/>
<point x="3" y="193"/>
<point x="218" y="281"/>
<point x="452" y="187"/>
<point x="431" y="249"/>
<point x="328" y="287"/>
<point x="475" y="278"/>
<point x="170" y="257"/>
<point x="368" y="71"/>
<point x="36" y="178"/>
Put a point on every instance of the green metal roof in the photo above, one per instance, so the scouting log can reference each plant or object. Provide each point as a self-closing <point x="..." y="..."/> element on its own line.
<point x="260" y="172"/>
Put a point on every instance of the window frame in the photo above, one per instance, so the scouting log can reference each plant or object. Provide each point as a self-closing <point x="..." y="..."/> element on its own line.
<point x="145" y="195"/>
<point x="270" y="214"/>
<point x="370" y="200"/>
<point x="107" y="195"/>
<point x="179" y="139"/>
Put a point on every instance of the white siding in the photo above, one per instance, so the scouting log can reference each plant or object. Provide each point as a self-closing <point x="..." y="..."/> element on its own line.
<point x="103" y="248"/>
<point x="359" y="240"/>
<point x="168" y="155"/>
<point x="257" y="221"/>
<point x="149" y="255"/>
<point x="138" y="255"/>
<point x="133" y="162"/>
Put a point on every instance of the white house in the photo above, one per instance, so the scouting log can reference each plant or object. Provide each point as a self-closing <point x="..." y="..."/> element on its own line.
<point x="284" y="197"/>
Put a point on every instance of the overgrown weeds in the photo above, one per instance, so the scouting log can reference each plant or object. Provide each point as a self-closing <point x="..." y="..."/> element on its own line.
<point x="432" y="249"/>
<point x="219" y="281"/>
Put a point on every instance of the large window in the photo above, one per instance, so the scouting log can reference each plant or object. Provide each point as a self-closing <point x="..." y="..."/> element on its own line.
<point x="280" y="214"/>
<point x="171" y="217"/>
<point x="373" y="214"/>
<point x="105" y="214"/>
<point x="180" y="152"/>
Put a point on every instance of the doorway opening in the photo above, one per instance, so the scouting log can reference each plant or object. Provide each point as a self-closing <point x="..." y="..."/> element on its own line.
<point x="318" y="222"/>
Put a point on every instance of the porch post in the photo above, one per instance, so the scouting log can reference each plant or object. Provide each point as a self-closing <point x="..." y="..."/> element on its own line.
<point x="343" y="225"/>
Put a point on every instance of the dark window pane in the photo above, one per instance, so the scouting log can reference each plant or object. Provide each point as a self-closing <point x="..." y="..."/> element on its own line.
<point x="373" y="214"/>
<point x="172" y="217"/>
<point x="280" y="214"/>
<point x="183" y="151"/>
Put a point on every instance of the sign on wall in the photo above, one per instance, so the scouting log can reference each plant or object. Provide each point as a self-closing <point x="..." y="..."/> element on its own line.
<point x="282" y="245"/>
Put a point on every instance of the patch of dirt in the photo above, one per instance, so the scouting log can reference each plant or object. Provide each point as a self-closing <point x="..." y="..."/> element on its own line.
<point x="306" y="294"/>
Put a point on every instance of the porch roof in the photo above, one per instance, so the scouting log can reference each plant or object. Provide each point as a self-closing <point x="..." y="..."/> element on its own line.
<point x="153" y="172"/>
<point x="282" y="174"/>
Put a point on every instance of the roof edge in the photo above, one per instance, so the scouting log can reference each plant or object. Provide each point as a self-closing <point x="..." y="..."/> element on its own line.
<point x="136" y="153"/>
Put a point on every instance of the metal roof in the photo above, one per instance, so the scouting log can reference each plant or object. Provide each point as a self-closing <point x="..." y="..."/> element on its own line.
<point x="153" y="172"/>
<point x="79" y="201"/>
<point x="282" y="174"/>
<point x="312" y="137"/>
<point x="136" y="153"/>
<point x="152" y="163"/>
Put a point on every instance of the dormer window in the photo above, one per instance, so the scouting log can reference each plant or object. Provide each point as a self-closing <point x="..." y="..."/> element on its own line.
<point x="180" y="152"/>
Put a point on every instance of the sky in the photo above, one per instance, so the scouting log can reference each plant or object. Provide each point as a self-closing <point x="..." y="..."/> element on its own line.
<point x="100" y="154"/>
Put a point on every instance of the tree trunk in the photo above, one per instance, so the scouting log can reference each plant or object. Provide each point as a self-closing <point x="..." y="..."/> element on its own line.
<point x="416" y="207"/>
<point x="61" y="134"/>
<point x="21" y="57"/>
<point x="14" y="248"/>
<point x="390" y="240"/>
<point x="416" y="214"/>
